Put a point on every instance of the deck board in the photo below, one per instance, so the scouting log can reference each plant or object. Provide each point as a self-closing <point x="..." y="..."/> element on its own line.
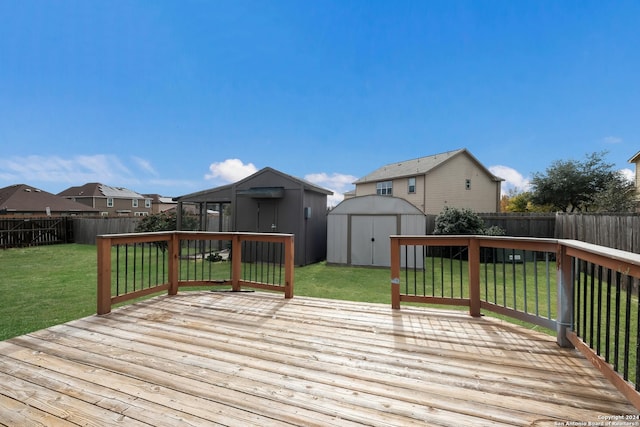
<point x="238" y="359"/>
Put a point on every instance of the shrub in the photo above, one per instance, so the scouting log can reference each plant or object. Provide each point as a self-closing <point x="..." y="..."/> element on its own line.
<point x="463" y="221"/>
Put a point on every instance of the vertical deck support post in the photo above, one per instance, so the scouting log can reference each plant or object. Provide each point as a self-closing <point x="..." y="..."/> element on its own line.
<point x="395" y="272"/>
<point x="289" y="262"/>
<point x="174" y="263"/>
<point x="565" y="297"/>
<point x="236" y="262"/>
<point x="104" y="274"/>
<point x="474" y="277"/>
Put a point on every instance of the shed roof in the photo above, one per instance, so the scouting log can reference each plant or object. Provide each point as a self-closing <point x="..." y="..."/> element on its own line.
<point x="419" y="166"/>
<point x="26" y="198"/>
<point x="223" y="193"/>
<point x="374" y="204"/>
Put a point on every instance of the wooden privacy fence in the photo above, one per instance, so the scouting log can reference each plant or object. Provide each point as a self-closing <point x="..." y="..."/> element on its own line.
<point x="140" y="264"/>
<point x="581" y="290"/>
<point x="21" y="232"/>
<point x="619" y="231"/>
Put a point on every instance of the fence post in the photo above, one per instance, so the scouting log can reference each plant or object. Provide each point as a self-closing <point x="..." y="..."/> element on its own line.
<point x="474" y="277"/>
<point x="236" y="262"/>
<point x="289" y="262"/>
<point x="565" y="296"/>
<point x="104" y="274"/>
<point x="395" y="273"/>
<point x="174" y="262"/>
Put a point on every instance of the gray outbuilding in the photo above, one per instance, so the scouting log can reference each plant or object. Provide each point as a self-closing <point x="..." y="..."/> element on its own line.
<point x="270" y="201"/>
<point x="358" y="230"/>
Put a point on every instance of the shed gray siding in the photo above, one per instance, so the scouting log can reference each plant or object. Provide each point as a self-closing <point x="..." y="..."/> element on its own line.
<point x="270" y="201"/>
<point x="358" y="230"/>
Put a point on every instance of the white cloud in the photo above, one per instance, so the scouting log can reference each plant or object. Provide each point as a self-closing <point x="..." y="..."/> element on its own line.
<point x="628" y="173"/>
<point x="612" y="140"/>
<point x="76" y="170"/>
<point x="336" y="182"/>
<point x="145" y="165"/>
<point x="231" y="170"/>
<point x="512" y="178"/>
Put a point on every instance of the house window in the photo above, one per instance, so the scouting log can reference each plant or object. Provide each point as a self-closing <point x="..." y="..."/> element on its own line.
<point x="384" y="188"/>
<point x="147" y="203"/>
<point x="467" y="184"/>
<point x="134" y="203"/>
<point x="411" y="185"/>
<point x="109" y="202"/>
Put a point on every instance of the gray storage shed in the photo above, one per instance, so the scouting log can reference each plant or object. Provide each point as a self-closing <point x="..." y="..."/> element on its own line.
<point x="270" y="201"/>
<point x="358" y="230"/>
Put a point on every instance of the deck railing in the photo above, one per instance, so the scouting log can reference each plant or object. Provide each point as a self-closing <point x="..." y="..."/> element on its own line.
<point x="138" y="264"/>
<point x="586" y="293"/>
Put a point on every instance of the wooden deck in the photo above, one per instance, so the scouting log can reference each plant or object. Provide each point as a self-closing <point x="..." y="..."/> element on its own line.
<point x="241" y="359"/>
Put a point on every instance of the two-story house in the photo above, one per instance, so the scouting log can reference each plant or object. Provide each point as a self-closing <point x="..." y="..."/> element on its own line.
<point x="454" y="178"/>
<point x="110" y="201"/>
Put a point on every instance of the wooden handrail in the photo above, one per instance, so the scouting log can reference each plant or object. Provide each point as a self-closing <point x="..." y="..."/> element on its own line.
<point x="567" y="253"/>
<point x="173" y="240"/>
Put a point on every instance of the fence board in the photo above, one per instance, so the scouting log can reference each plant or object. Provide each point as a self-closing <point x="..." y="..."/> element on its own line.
<point x="617" y="231"/>
<point x="22" y="232"/>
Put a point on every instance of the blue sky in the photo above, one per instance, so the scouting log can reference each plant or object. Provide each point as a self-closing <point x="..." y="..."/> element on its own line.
<point x="173" y="97"/>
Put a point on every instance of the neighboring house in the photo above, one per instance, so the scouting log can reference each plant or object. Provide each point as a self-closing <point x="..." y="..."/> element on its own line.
<point x="160" y="203"/>
<point x="21" y="201"/>
<point x="273" y="202"/>
<point x="110" y="201"/>
<point x="455" y="179"/>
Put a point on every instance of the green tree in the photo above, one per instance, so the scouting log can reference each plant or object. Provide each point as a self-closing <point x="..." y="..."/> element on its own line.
<point x="619" y="195"/>
<point x="579" y="186"/>
<point x="165" y="221"/>
<point x="522" y="202"/>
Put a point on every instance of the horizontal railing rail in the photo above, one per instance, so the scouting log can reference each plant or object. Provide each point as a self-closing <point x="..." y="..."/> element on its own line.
<point x="134" y="265"/>
<point x="587" y="293"/>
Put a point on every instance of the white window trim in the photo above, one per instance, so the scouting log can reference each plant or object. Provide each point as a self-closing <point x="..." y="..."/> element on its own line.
<point x="384" y="188"/>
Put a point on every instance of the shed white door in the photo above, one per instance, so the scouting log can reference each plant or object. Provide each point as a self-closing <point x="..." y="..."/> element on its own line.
<point x="370" y="239"/>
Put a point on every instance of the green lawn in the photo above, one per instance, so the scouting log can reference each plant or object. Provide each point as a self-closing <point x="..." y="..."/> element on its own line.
<point x="48" y="285"/>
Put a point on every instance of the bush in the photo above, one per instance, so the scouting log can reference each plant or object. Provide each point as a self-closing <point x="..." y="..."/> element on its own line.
<point x="463" y="221"/>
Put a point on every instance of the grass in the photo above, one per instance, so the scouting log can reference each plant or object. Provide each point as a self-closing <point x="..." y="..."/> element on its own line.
<point x="48" y="285"/>
<point x="44" y="286"/>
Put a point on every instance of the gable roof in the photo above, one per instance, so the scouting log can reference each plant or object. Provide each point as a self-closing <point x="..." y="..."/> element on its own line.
<point x="419" y="166"/>
<point x="305" y="184"/>
<point x="223" y="193"/>
<point x="635" y="157"/>
<point x="96" y="189"/>
<point x="26" y="198"/>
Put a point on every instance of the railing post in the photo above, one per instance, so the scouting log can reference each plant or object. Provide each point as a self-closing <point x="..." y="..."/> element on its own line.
<point x="474" y="277"/>
<point x="236" y="262"/>
<point x="565" y="296"/>
<point x="104" y="274"/>
<point x="395" y="273"/>
<point x="174" y="263"/>
<point x="289" y="262"/>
